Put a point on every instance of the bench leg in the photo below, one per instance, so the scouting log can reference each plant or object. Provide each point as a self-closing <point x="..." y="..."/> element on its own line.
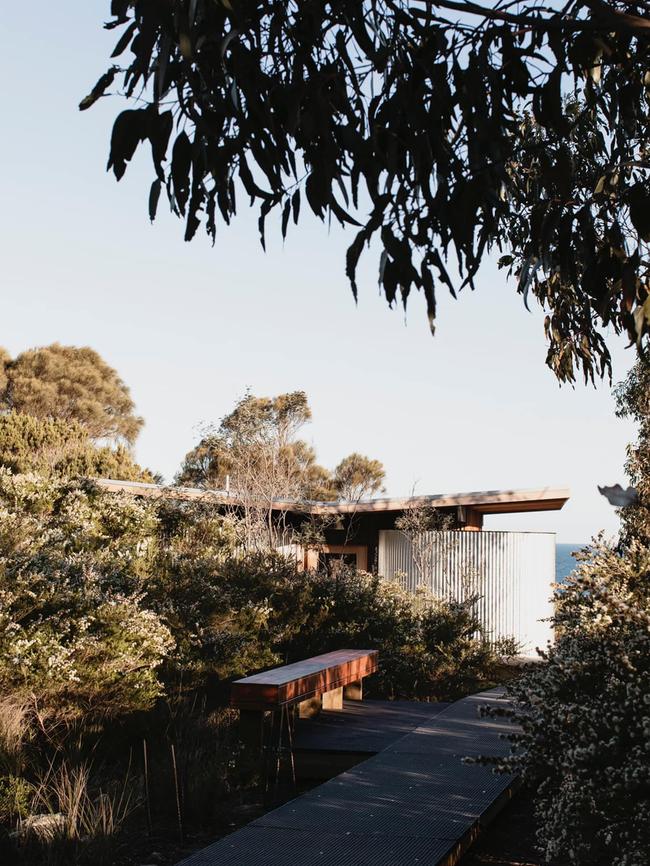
<point x="353" y="691"/>
<point x="251" y="729"/>
<point x="310" y="708"/>
<point x="333" y="700"/>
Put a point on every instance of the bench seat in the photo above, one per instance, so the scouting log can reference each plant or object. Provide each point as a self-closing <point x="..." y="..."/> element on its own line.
<point x="298" y="682"/>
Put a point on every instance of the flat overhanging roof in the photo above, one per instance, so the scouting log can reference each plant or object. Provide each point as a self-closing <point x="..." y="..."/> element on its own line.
<point x="483" y="502"/>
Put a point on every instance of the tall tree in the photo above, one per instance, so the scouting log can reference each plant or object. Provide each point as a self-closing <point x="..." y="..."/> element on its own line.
<point x="441" y="130"/>
<point x="71" y="383"/>
<point x="633" y="401"/>
<point x="358" y="477"/>
<point x="206" y="465"/>
<point x="256" y="452"/>
<point x="261" y="432"/>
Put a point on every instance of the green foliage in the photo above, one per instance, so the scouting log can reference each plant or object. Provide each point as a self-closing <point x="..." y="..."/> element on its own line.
<point x="206" y="465"/>
<point x="73" y="384"/>
<point x="319" y="483"/>
<point x="633" y="401"/>
<point x="268" y="419"/>
<point x="440" y="130"/>
<point x="255" y="446"/>
<point x="429" y="648"/>
<point x="421" y="518"/>
<point x="15" y="798"/>
<point x="5" y="358"/>
<point x="259" y="610"/>
<point x="586" y="715"/>
<point x="76" y="638"/>
<point x="53" y="446"/>
<point x="97" y="589"/>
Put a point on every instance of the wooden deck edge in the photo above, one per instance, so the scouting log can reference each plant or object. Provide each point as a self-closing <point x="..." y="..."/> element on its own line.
<point x="462" y="846"/>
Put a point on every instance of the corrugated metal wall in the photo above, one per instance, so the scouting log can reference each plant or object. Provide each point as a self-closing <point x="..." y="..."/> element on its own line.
<point x="511" y="571"/>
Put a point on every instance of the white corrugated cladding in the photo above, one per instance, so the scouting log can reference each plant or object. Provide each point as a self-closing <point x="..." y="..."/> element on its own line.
<point x="511" y="571"/>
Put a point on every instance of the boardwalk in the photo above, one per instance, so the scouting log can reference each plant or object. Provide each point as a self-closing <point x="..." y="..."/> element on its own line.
<point x="363" y="727"/>
<point x="337" y="740"/>
<point x="413" y="804"/>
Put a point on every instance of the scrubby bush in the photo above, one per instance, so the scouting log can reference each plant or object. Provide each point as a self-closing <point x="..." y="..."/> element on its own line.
<point x="257" y="611"/>
<point x="76" y="638"/>
<point x="61" y="447"/>
<point x="15" y="798"/>
<point x="585" y="715"/>
<point x="97" y="589"/>
<point x="633" y="402"/>
<point x="122" y="621"/>
<point x="429" y="648"/>
<point x="108" y="601"/>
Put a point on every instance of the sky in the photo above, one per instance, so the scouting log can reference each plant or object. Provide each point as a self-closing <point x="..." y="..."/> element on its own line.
<point x="190" y="327"/>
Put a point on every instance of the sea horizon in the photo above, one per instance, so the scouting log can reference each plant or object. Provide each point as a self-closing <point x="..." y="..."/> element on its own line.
<point x="564" y="561"/>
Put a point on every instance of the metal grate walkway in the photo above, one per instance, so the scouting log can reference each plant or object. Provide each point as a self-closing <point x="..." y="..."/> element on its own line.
<point x="363" y="727"/>
<point x="413" y="804"/>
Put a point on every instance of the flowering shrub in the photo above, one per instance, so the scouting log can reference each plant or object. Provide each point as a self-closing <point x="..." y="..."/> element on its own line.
<point x="75" y="635"/>
<point x="586" y="715"/>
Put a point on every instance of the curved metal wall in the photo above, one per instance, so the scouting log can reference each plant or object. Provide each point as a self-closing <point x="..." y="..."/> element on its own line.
<point x="512" y="572"/>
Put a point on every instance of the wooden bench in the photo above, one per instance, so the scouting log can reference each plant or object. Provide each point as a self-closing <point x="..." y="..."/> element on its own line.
<point x="317" y="683"/>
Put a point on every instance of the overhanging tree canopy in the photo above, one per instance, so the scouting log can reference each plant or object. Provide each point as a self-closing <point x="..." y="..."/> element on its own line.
<point x="441" y="130"/>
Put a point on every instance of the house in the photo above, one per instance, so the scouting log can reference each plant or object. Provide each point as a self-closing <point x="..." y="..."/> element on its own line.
<point x="511" y="572"/>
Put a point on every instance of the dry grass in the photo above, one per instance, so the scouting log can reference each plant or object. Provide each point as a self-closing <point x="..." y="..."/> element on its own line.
<point x="15" y="723"/>
<point x="72" y="823"/>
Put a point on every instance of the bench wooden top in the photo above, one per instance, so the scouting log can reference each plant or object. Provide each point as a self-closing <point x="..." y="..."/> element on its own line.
<point x="299" y="681"/>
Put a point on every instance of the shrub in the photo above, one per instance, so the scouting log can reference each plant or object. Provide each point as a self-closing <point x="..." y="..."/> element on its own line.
<point x="430" y="649"/>
<point x="15" y="797"/>
<point x="586" y="715"/>
<point x="76" y="638"/>
<point x="235" y="615"/>
<point x="58" y="447"/>
<point x="97" y="589"/>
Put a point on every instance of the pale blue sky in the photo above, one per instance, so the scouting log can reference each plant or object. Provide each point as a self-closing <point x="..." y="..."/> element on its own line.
<point x="190" y="327"/>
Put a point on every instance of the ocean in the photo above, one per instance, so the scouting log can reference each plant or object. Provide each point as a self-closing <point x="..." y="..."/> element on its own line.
<point x="564" y="562"/>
